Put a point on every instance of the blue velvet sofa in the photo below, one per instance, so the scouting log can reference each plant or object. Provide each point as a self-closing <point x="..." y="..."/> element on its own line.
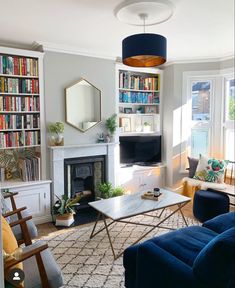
<point x="192" y="257"/>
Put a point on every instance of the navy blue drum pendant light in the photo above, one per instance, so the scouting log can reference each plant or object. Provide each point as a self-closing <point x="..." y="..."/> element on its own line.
<point x="144" y="49"/>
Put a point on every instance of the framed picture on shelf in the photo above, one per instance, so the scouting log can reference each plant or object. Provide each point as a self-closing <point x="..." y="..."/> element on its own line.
<point x="127" y="110"/>
<point x="150" y="110"/>
<point x="125" y="122"/>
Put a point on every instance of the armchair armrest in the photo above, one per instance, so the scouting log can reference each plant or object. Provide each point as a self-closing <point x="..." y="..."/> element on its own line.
<point x="30" y="253"/>
<point x="20" y="221"/>
<point x="14" y="212"/>
<point x="23" y="256"/>
<point x="155" y="265"/>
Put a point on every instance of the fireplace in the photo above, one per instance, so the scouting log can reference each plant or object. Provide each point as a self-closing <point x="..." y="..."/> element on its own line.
<point x="84" y="174"/>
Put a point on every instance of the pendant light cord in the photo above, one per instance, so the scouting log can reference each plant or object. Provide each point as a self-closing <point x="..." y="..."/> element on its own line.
<point x="143" y="16"/>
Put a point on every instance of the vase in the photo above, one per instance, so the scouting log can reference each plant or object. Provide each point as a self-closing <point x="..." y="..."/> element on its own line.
<point x="57" y="139"/>
<point x="64" y="220"/>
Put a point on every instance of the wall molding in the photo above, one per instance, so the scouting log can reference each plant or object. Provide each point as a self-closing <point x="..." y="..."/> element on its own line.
<point x="60" y="48"/>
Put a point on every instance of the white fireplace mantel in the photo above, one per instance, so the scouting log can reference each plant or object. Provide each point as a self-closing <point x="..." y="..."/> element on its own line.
<point x="59" y="153"/>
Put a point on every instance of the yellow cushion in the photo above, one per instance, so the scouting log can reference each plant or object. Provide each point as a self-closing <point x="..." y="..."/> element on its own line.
<point x="8" y="240"/>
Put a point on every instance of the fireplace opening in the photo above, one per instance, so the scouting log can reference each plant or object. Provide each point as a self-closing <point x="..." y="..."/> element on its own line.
<point x="84" y="174"/>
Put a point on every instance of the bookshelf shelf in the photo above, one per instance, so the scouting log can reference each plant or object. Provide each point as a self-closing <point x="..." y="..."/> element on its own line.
<point x="20" y="147"/>
<point x="137" y="90"/>
<point x="18" y="76"/>
<point x="22" y="125"/>
<point x="138" y="104"/>
<point x="19" y="112"/>
<point x="18" y="94"/>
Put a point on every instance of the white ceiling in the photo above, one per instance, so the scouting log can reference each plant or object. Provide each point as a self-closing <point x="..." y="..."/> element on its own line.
<point x="199" y="29"/>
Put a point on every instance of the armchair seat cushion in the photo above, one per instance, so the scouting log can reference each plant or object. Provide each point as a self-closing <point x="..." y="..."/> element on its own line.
<point x="32" y="277"/>
<point x="186" y="243"/>
<point x="17" y="229"/>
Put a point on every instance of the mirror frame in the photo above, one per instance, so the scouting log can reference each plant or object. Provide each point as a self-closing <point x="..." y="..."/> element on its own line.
<point x="66" y="109"/>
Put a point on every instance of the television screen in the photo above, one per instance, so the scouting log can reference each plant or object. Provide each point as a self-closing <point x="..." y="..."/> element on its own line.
<point x="140" y="150"/>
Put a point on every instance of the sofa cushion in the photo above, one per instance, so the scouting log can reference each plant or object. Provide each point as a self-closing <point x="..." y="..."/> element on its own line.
<point x="215" y="264"/>
<point x="185" y="243"/>
<point x="221" y="223"/>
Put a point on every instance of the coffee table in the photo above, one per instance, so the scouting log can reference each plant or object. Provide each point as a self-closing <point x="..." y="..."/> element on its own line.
<point x="126" y="206"/>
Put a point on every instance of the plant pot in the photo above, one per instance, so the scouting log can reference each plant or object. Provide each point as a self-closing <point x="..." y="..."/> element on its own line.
<point x="57" y="139"/>
<point x="64" y="220"/>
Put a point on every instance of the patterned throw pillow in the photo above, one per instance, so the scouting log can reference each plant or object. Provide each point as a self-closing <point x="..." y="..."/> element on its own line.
<point x="210" y="170"/>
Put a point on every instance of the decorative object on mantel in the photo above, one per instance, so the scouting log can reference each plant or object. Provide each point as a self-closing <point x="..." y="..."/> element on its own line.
<point x="144" y="49"/>
<point x="111" y="125"/>
<point x="64" y="208"/>
<point x="56" y="133"/>
<point x="100" y="138"/>
<point x="107" y="191"/>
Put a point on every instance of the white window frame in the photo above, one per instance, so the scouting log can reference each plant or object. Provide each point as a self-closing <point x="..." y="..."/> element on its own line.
<point x="214" y="125"/>
<point x="227" y="124"/>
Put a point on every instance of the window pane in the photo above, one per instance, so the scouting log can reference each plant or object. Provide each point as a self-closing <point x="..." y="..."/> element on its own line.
<point x="229" y="146"/>
<point x="199" y="142"/>
<point x="230" y="98"/>
<point x="201" y="101"/>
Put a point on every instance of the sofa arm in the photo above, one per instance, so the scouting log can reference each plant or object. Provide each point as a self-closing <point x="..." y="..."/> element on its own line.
<point x="158" y="268"/>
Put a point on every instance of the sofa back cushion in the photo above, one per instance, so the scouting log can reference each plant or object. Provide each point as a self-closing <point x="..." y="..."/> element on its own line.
<point x="221" y="223"/>
<point x="215" y="264"/>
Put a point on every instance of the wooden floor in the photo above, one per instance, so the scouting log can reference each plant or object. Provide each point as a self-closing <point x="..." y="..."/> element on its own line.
<point x="48" y="228"/>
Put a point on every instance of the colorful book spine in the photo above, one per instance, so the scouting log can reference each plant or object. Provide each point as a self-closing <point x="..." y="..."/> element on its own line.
<point x="13" y="65"/>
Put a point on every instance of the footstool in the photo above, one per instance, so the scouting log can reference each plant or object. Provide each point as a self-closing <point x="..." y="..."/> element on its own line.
<point x="208" y="204"/>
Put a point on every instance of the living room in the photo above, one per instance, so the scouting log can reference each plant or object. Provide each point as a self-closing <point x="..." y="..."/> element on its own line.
<point x="113" y="135"/>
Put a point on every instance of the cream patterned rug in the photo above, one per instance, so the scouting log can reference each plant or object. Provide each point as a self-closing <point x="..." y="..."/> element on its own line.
<point x="89" y="263"/>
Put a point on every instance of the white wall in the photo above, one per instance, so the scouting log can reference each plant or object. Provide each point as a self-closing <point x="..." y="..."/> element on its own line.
<point x="61" y="70"/>
<point x="172" y="113"/>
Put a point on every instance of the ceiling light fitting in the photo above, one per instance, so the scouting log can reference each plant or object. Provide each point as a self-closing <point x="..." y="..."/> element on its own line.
<point x="145" y="49"/>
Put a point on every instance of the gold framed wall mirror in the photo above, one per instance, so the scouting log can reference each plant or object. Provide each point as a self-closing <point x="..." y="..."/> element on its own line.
<point x="83" y="105"/>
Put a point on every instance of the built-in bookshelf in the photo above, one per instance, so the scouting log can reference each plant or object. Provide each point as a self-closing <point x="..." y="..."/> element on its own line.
<point x="21" y="115"/>
<point x="138" y="100"/>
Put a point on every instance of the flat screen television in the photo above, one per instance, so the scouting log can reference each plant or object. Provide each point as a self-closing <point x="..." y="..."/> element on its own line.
<point x="140" y="150"/>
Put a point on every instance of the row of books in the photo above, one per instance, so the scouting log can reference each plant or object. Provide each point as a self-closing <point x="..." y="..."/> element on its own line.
<point x="15" y="85"/>
<point x="138" y="97"/>
<point x="29" y="121"/>
<point x="19" y="104"/>
<point x="128" y="81"/>
<point x="29" y="168"/>
<point x="19" y="139"/>
<point x="18" y="66"/>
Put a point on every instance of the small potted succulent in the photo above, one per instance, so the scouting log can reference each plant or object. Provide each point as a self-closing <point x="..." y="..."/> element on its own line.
<point x="64" y="209"/>
<point x="56" y="130"/>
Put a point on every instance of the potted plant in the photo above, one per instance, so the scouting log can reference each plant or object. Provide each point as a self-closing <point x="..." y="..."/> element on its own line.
<point x="147" y="127"/>
<point x="64" y="208"/>
<point x="107" y="190"/>
<point x="111" y="125"/>
<point x="56" y="129"/>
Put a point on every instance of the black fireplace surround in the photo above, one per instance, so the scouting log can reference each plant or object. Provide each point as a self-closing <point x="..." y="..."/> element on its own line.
<point x="84" y="174"/>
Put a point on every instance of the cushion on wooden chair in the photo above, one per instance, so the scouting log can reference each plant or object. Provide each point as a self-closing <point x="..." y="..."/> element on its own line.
<point x="32" y="277"/>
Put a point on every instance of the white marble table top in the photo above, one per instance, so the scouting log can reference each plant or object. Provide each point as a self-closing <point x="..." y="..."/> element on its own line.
<point x="130" y="205"/>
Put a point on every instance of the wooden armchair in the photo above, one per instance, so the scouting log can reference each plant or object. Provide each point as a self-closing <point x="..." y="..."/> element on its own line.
<point x="19" y="227"/>
<point x="39" y="265"/>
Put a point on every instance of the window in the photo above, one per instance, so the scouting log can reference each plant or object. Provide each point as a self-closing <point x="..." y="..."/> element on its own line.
<point x="229" y="117"/>
<point x="200" y="110"/>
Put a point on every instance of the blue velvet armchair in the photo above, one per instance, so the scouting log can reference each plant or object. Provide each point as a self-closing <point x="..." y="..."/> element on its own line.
<point x="192" y="257"/>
